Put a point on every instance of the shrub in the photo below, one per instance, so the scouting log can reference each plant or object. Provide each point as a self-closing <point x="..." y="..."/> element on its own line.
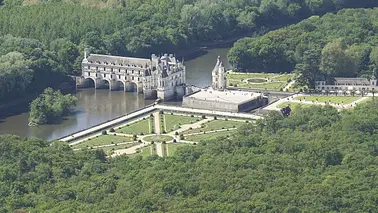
<point x="141" y="133"/>
<point x="226" y="119"/>
<point x="247" y="121"/>
<point x="139" y="141"/>
<point x="89" y="139"/>
<point x="192" y="116"/>
<point x="152" y="142"/>
<point x="215" y="118"/>
<point x="151" y="115"/>
<point x="152" y="131"/>
<point x="182" y="137"/>
<point x="171" y="113"/>
<point x="203" y="116"/>
<point x="174" y="141"/>
<point x="164" y="132"/>
<point x="190" y="128"/>
<point x="116" y="144"/>
<point x="114" y="134"/>
<point x="144" y="118"/>
<point x="231" y="84"/>
<point x="161" y="112"/>
<point x="235" y="85"/>
<point x="104" y="132"/>
<point x="194" y="143"/>
<point x="164" y="142"/>
<point x="176" y="133"/>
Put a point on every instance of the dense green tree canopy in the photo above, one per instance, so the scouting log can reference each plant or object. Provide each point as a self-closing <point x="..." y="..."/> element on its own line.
<point x="315" y="160"/>
<point x="50" y="106"/>
<point x="346" y="42"/>
<point x="52" y="34"/>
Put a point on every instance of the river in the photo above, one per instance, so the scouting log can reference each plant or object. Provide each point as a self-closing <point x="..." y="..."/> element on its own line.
<point x="97" y="106"/>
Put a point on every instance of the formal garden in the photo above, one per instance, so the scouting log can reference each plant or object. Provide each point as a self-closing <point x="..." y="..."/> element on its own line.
<point x="266" y="81"/>
<point x="140" y="137"/>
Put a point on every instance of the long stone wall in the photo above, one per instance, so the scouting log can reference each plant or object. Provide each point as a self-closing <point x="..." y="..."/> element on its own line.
<point x="210" y="105"/>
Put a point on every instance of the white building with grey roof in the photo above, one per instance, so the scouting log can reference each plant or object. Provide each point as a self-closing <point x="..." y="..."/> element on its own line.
<point x="159" y="77"/>
<point x="348" y="84"/>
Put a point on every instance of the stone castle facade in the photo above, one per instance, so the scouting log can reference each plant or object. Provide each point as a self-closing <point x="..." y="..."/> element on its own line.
<point x="219" y="81"/>
<point x="159" y="77"/>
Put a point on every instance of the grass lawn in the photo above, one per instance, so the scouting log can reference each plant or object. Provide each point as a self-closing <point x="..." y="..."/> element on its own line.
<point x="109" y="149"/>
<point x="268" y="86"/>
<point x="216" y="125"/>
<point x="292" y="105"/>
<point x="208" y="136"/>
<point x="333" y="99"/>
<point x="103" y="140"/>
<point x="172" y="122"/>
<point x="237" y="76"/>
<point x="145" y="151"/>
<point x="172" y="147"/>
<point x="284" y="77"/>
<point x="138" y="127"/>
<point x="158" y="138"/>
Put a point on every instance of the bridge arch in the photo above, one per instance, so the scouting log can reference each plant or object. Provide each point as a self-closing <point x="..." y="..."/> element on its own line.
<point x="89" y="82"/>
<point x="104" y="84"/>
<point x="131" y="86"/>
<point x="120" y="85"/>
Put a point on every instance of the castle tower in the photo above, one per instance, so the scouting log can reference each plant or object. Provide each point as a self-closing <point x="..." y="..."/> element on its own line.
<point x="373" y="80"/>
<point x="219" y="76"/>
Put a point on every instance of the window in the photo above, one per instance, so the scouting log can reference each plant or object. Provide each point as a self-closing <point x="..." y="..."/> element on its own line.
<point x="119" y="70"/>
<point x="111" y="69"/>
<point x="119" y="76"/>
<point x="96" y="68"/>
<point x="104" y="75"/>
<point x="89" y="74"/>
<point x="89" y="67"/>
<point x="132" y="78"/>
<point x="104" y="68"/>
<point x="111" y="76"/>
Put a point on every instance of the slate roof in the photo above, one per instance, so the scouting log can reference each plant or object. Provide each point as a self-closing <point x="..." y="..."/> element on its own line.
<point x="118" y="60"/>
<point x="352" y="81"/>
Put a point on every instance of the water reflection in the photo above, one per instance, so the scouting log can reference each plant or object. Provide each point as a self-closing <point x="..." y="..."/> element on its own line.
<point x="96" y="106"/>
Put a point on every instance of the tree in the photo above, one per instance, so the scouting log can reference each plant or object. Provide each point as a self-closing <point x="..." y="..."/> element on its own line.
<point x="308" y="71"/>
<point x="49" y="106"/>
<point x="336" y="62"/>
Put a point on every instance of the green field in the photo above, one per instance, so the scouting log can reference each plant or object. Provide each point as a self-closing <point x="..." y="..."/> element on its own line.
<point x="208" y="136"/>
<point x="103" y="140"/>
<point x="142" y="126"/>
<point x="109" y="149"/>
<point x="173" y="122"/>
<point x="158" y="138"/>
<point x="278" y="81"/>
<point x="326" y="98"/>
<point x="215" y="125"/>
<point x="284" y="77"/>
<point x="145" y="151"/>
<point x="292" y="105"/>
<point x="172" y="147"/>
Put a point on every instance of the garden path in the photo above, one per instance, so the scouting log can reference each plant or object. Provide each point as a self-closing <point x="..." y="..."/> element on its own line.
<point x="159" y="149"/>
<point x="157" y="122"/>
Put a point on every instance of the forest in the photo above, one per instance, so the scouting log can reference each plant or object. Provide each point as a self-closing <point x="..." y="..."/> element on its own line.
<point x="315" y="160"/>
<point x="52" y="34"/>
<point x="342" y="45"/>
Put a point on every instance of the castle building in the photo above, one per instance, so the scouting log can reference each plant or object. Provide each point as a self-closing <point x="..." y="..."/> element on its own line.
<point x="348" y="84"/>
<point x="159" y="77"/>
<point x="219" y="98"/>
<point x="219" y="80"/>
